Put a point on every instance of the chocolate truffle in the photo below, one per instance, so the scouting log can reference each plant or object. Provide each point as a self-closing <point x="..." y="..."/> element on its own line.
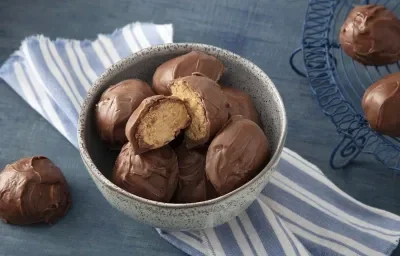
<point x="156" y="122"/>
<point x="152" y="175"/>
<point x="192" y="176"/>
<point x="236" y="154"/>
<point x="183" y="66"/>
<point x="116" y="106"/>
<point x="240" y="103"/>
<point x="371" y="35"/>
<point x="211" y="192"/>
<point x="207" y="106"/>
<point x="381" y="104"/>
<point x="33" y="190"/>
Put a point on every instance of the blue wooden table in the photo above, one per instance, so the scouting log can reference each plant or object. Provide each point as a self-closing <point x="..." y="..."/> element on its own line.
<point x="264" y="31"/>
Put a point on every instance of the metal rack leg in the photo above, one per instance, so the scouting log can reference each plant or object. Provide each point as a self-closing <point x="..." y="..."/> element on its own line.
<point x="295" y="69"/>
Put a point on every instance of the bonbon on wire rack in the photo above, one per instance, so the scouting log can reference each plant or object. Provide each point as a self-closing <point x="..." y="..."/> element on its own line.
<point x="339" y="83"/>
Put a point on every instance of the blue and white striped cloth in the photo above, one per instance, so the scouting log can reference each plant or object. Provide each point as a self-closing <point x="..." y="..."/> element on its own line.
<point x="300" y="212"/>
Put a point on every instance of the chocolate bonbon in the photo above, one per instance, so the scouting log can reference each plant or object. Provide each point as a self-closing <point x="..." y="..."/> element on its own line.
<point x="33" y="190"/>
<point x="152" y="175"/>
<point x="371" y="35"/>
<point x="185" y="65"/>
<point x="240" y="103"/>
<point x="156" y="122"/>
<point x="207" y="106"/>
<point x="381" y="104"/>
<point x="236" y="154"/>
<point x="116" y="106"/>
<point x="192" y="177"/>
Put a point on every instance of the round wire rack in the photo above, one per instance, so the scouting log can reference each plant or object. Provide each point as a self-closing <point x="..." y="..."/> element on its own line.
<point x="338" y="82"/>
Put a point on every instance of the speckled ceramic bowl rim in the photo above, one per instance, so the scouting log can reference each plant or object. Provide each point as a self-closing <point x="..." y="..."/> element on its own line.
<point x="144" y="54"/>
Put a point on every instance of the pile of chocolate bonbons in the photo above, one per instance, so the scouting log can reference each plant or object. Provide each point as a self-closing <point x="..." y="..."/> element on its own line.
<point x="186" y="139"/>
<point x="371" y="36"/>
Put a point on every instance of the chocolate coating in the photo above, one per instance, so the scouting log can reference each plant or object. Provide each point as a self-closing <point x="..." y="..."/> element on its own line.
<point x="152" y="175"/>
<point x="116" y="106"/>
<point x="183" y="66"/>
<point x="236" y="154"/>
<point x="161" y="127"/>
<point x="192" y="176"/>
<point x="33" y="190"/>
<point x="211" y="192"/>
<point x="381" y="104"/>
<point x="240" y="103"/>
<point x="371" y="35"/>
<point x="213" y="104"/>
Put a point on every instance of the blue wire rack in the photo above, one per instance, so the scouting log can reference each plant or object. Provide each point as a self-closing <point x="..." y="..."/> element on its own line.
<point x="338" y="82"/>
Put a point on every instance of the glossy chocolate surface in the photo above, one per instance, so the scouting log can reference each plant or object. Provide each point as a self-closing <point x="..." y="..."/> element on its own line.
<point x="381" y="104"/>
<point x="192" y="177"/>
<point x="33" y="190"/>
<point x="371" y="35"/>
<point x="116" y="105"/>
<point x="240" y="103"/>
<point x="236" y="154"/>
<point x="185" y="65"/>
<point x="152" y="175"/>
<point x="213" y="102"/>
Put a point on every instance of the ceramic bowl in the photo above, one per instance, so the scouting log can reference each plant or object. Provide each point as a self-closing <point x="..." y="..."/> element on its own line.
<point x="240" y="73"/>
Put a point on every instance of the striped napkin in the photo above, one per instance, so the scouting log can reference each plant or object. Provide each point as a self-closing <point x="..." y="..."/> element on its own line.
<point x="300" y="212"/>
